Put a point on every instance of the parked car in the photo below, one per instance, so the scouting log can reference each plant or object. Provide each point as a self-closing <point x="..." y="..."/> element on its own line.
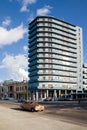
<point x="9" y="98"/>
<point x="6" y="98"/>
<point x="1" y="98"/>
<point x="64" y="99"/>
<point x="32" y="106"/>
<point x="21" y="100"/>
<point x="54" y="99"/>
<point x="48" y="99"/>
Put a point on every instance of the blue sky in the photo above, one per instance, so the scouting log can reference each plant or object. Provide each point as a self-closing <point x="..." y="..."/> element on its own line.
<point x="14" y="18"/>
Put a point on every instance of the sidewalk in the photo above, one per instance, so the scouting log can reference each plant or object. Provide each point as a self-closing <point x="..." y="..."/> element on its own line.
<point x="11" y="119"/>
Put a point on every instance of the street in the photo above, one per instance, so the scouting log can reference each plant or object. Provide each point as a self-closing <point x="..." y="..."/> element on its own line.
<point x="56" y="116"/>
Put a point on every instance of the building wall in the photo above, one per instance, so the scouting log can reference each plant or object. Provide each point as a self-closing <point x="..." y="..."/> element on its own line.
<point x="79" y="58"/>
<point x="1" y="92"/>
<point x="55" y="55"/>
<point x="85" y="77"/>
<point x="18" y="90"/>
<point x="14" y="89"/>
<point x="22" y="90"/>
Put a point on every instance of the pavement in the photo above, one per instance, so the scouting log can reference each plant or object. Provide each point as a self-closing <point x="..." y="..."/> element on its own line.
<point x="13" y="119"/>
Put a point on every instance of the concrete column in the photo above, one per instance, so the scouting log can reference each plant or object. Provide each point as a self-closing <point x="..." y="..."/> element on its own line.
<point x="47" y="93"/>
<point x="76" y="95"/>
<point x="59" y="93"/>
<point x="30" y="95"/>
<point x="65" y="93"/>
<point x="55" y="93"/>
<point x="71" y="94"/>
<point x="37" y="95"/>
<point x="82" y="94"/>
<point x="33" y="95"/>
<point x="41" y="94"/>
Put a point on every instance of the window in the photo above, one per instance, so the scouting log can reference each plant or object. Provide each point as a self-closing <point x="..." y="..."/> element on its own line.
<point x="49" y="50"/>
<point x="17" y="88"/>
<point x="43" y="34"/>
<point x="43" y="29"/>
<point x="49" y="24"/>
<point x="22" y="88"/>
<point x="79" y="29"/>
<point x="43" y="49"/>
<point x="49" y="19"/>
<point x="49" y="29"/>
<point x="43" y="39"/>
<point x="49" y="34"/>
<point x="44" y="24"/>
<point x="49" y="71"/>
<point x="43" y="60"/>
<point x="43" y="54"/>
<point x="49" y="44"/>
<point x="44" y="71"/>
<point x="50" y="86"/>
<point x="43" y="65"/>
<point x="50" y="78"/>
<point x="49" y="55"/>
<point x="49" y="65"/>
<point x="44" y="78"/>
<point x="43" y="85"/>
<point x="43" y="44"/>
<point x="43" y="19"/>
<point x="11" y="88"/>
<point x="25" y="87"/>
<point x="49" y="61"/>
<point x="49" y="39"/>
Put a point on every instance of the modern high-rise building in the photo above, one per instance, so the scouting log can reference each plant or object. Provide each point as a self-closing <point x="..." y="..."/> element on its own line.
<point x="55" y="58"/>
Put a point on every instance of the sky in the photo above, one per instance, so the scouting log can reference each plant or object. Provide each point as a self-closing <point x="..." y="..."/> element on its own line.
<point x="15" y="15"/>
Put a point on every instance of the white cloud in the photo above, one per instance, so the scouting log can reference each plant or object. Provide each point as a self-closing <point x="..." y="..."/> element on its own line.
<point x="6" y="22"/>
<point x="25" y="48"/>
<point x="13" y="35"/>
<point x="44" y="11"/>
<point x="1" y="66"/>
<point x="25" y="4"/>
<point x="15" y="67"/>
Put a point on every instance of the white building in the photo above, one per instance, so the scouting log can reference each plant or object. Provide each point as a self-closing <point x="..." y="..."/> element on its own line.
<point x="55" y="58"/>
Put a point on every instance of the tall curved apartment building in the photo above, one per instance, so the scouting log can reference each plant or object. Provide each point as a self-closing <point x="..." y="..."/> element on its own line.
<point x="55" y="58"/>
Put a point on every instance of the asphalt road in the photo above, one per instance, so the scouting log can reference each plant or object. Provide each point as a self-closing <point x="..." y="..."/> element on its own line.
<point x="65" y="112"/>
<point x="68" y="111"/>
